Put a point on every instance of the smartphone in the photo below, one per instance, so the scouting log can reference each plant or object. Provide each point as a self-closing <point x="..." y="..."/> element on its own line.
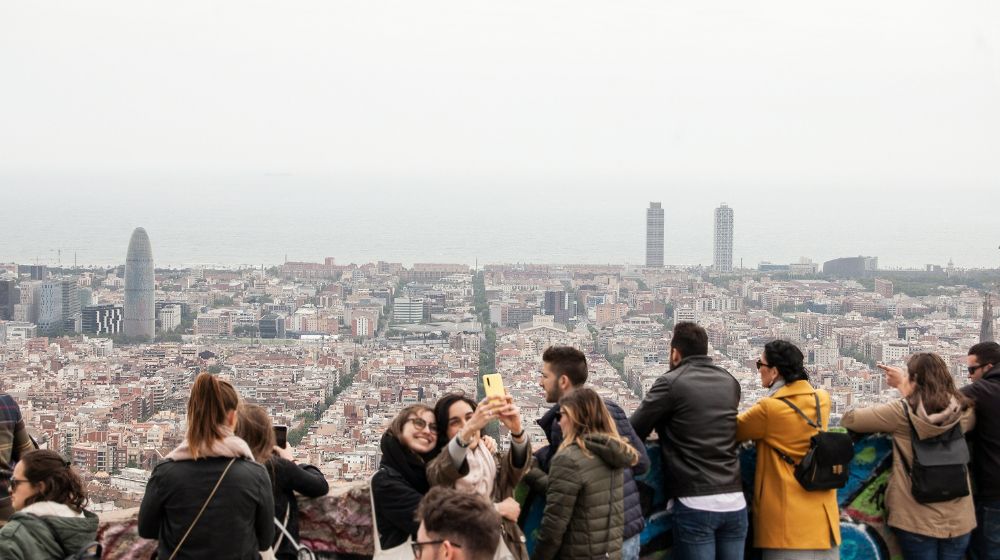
<point x="493" y="385"/>
<point x="281" y="436"/>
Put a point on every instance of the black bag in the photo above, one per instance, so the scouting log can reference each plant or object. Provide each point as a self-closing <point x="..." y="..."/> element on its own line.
<point x="939" y="472"/>
<point x="826" y="466"/>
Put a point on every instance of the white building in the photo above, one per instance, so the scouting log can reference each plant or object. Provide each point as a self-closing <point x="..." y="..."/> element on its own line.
<point x="408" y="310"/>
<point x="170" y="317"/>
<point x="723" y="254"/>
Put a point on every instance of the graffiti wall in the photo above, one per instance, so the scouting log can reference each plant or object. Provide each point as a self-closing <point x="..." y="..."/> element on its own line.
<point x="862" y="505"/>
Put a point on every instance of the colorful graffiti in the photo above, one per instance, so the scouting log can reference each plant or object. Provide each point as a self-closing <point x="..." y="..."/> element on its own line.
<point x="863" y="528"/>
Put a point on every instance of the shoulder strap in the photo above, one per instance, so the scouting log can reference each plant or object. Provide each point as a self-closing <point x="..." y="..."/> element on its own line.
<point x="281" y="525"/>
<point x="202" y="510"/>
<point x="817" y="425"/>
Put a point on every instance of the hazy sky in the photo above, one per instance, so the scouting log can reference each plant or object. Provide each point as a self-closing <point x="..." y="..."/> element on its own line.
<point x="692" y="102"/>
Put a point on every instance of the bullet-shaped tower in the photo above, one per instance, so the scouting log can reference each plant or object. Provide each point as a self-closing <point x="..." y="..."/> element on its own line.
<point x="140" y="311"/>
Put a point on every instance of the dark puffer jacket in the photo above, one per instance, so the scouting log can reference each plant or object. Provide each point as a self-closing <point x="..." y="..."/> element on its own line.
<point x="584" y="511"/>
<point x="634" y="521"/>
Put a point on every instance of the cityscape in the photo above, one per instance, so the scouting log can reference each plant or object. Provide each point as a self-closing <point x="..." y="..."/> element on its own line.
<point x="101" y="360"/>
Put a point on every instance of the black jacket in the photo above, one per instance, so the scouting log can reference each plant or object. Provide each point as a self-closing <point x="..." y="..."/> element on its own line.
<point x="396" y="502"/>
<point x="634" y="521"/>
<point x="237" y="524"/>
<point x="985" y="436"/>
<point x="693" y="409"/>
<point x="288" y="478"/>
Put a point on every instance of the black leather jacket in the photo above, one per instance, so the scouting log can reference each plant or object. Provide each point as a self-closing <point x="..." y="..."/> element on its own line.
<point x="985" y="437"/>
<point x="693" y="409"/>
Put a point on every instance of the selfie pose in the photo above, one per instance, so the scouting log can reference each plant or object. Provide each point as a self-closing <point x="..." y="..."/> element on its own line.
<point x="467" y="465"/>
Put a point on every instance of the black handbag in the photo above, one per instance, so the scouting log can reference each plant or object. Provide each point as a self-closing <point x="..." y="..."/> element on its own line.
<point x="826" y="466"/>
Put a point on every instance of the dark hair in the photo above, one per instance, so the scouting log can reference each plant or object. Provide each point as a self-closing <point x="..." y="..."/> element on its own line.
<point x="568" y="361"/>
<point x="404" y="415"/>
<point x="934" y="386"/>
<point x="689" y="339"/>
<point x="463" y="518"/>
<point x="211" y="400"/>
<point x="256" y="428"/>
<point x="587" y="414"/>
<point x="986" y="353"/>
<point x="787" y="359"/>
<point x="57" y="480"/>
<point x="441" y="411"/>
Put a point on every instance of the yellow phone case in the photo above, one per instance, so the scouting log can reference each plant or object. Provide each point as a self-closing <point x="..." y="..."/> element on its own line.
<point x="493" y="385"/>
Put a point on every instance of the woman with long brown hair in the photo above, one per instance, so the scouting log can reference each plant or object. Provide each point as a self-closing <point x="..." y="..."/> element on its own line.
<point x="401" y="480"/>
<point x="584" y="513"/>
<point x="50" y="521"/>
<point x="209" y="499"/>
<point x="931" y="406"/>
<point x="287" y="478"/>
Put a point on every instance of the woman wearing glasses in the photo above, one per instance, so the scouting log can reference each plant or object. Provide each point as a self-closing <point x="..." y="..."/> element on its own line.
<point x="788" y="520"/>
<point x="401" y="481"/>
<point x="49" y="519"/>
<point x="931" y="406"/>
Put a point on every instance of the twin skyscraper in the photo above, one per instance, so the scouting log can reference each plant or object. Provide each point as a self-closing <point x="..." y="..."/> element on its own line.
<point x="723" y="247"/>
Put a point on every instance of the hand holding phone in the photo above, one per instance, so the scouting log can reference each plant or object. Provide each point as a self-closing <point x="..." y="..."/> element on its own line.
<point x="281" y="436"/>
<point x="493" y="386"/>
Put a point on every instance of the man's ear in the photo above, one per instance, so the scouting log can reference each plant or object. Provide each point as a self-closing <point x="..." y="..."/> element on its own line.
<point x="450" y="551"/>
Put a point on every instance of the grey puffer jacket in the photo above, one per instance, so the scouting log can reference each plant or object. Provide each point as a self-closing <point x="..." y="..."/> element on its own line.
<point x="46" y="531"/>
<point x="584" y="508"/>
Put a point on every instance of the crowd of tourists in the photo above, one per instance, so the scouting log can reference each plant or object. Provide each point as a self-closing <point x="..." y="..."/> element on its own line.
<point x="445" y="489"/>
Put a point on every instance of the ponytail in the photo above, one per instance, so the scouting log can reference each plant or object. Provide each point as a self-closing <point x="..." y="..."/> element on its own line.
<point x="211" y="400"/>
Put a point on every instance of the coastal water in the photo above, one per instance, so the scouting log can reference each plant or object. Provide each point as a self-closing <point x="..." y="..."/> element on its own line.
<point x="264" y="219"/>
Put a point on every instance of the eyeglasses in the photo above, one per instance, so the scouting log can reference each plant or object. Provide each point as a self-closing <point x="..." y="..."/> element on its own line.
<point x="761" y="364"/>
<point x="420" y="424"/>
<point x="15" y="481"/>
<point x="972" y="369"/>
<point x="418" y="547"/>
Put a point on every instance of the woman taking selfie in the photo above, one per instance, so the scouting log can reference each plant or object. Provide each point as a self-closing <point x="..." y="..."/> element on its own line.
<point x="584" y="513"/>
<point x="466" y="464"/>
<point x="209" y="499"/>
<point x="49" y="520"/>
<point x="401" y="481"/>
<point x="287" y="478"/>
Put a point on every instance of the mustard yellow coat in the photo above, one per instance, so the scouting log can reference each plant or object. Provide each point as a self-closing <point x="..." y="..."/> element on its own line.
<point x="785" y="515"/>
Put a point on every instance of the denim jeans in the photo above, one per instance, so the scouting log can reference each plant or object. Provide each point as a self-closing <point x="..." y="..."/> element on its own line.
<point x="630" y="548"/>
<point x="708" y="535"/>
<point x="986" y="536"/>
<point x="921" y="547"/>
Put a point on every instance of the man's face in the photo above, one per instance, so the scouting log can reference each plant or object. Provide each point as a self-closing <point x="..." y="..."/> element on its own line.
<point x="429" y="551"/>
<point x="550" y="383"/>
<point x="976" y="370"/>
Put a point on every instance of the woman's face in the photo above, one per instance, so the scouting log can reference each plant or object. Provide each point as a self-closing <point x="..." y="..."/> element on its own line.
<point x="20" y="488"/>
<point x="420" y="432"/>
<point x="767" y="372"/>
<point x="458" y="414"/>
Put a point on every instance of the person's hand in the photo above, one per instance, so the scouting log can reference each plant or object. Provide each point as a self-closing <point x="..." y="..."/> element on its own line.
<point x="485" y="411"/>
<point x="896" y="378"/>
<point x="509" y="509"/>
<point x="284" y="452"/>
<point x="510" y="415"/>
<point x="490" y="443"/>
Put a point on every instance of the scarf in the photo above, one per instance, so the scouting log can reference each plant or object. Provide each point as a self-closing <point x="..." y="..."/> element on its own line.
<point x="482" y="472"/>
<point x="228" y="446"/>
<point x="411" y="466"/>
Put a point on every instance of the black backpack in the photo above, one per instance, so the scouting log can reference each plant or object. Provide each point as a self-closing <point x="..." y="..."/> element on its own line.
<point x="939" y="472"/>
<point x="826" y="466"/>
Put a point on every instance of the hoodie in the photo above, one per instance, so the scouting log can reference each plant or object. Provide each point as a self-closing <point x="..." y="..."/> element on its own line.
<point x="47" y="530"/>
<point x="584" y="508"/>
<point x="941" y="520"/>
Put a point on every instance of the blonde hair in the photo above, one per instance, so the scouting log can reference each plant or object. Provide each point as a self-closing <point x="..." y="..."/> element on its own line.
<point x="588" y="415"/>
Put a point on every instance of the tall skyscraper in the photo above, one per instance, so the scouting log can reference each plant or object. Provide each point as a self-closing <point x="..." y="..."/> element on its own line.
<point x="140" y="310"/>
<point x="723" y="261"/>
<point x="986" y="328"/>
<point x="654" y="235"/>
